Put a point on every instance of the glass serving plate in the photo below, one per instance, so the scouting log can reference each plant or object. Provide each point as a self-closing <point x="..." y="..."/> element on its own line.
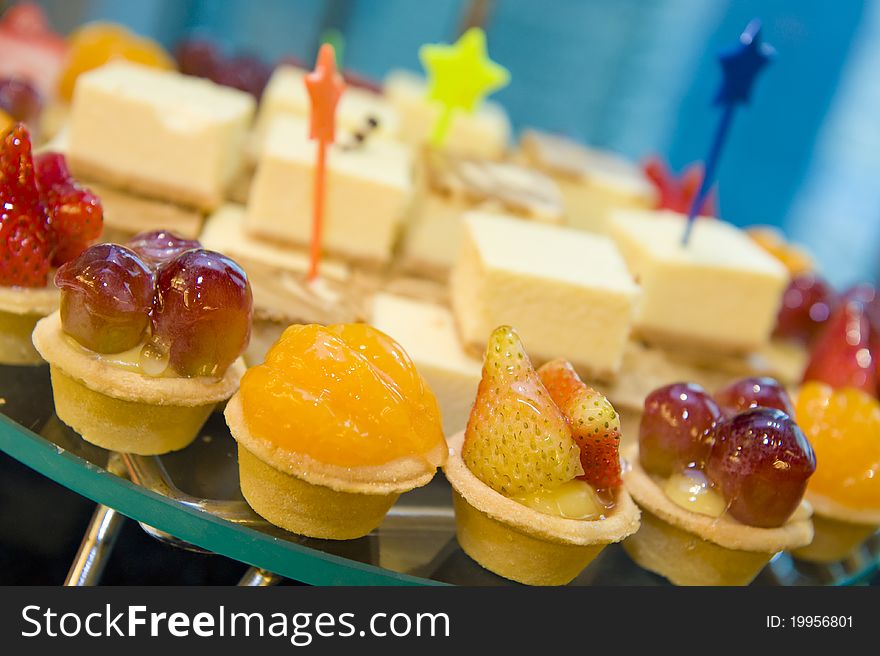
<point x="193" y="495"/>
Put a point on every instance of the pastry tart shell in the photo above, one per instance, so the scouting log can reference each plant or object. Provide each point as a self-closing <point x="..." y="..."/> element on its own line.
<point x="311" y="498"/>
<point x="124" y="410"/>
<point x="20" y="309"/>
<point x="688" y="548"/>
<point x="839" y="530"/>
<point x="522" y="544"/>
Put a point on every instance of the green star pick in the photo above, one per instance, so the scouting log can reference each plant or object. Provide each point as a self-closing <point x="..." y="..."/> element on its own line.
<point x="460" y="76"/>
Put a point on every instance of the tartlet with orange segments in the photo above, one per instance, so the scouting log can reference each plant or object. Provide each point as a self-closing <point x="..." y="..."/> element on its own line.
<point x="332" y="428"/>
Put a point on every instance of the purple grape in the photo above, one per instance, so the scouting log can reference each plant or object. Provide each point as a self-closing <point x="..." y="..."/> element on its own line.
<point x="760" y="462"/>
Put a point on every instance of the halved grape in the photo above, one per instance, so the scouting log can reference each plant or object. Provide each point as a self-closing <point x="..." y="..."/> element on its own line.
<point x="202" y="312"/>
<point x="106" y="298"/>
<point x="806" y="306"/>
<point x="760" y="392"/>
<point x="159" y="246"/>
<point x="676" y="427"/>
<point x="761" y="462"/>
<point x="20" y="99"/>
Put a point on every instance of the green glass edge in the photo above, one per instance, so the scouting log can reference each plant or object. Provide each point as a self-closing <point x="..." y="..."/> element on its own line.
<point x="285" y="558"/>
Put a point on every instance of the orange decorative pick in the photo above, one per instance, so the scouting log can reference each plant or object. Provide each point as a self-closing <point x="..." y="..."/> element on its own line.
<point x="325" y="87"/>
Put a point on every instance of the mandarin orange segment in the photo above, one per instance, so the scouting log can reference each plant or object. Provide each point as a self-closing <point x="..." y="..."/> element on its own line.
<point x="795" y="259"/>
<point x="844" y="429"/>
<point x="97" y="43"/>
<point x="345" y="395"/>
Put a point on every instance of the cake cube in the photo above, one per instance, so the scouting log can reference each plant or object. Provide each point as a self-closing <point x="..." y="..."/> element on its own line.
<point x="159" y="133"/>
<point x="369" y="189"/>
<point x="484" y="133"/>
<point x="593" y="182"/>
<point x="567" y="292"/>
<point x="426" y="331"/>
<point x="450" y="185"/>
<point x="719" y="292"/>
<point x="286" y="95"/>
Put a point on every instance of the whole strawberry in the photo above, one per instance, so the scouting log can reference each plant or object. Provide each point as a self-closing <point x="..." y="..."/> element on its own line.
<point x="75" y="213"/>
<point x="25" y="238"/>
<point x="594" y="423"/>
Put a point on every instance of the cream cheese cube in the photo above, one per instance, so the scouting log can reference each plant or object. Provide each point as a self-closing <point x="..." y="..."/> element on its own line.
<point x="426" y="331"/>
<point x="567" y="292"/>
<point x="286" y="95"/>
<point x="594" y="183"/>
<point x="485" y="133"/>
<point x="159" y="133"/>
<point x="449" y="185"/>
<point x="720" y="292"/>
<point x="369" y="189"/>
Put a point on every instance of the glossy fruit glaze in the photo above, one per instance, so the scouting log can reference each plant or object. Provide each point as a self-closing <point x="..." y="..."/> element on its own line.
<point x="755" y="457"/>
<point x="345" y="395"/>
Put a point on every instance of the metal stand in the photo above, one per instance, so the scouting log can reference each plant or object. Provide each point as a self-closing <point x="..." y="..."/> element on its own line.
<point x="259" y="578"/>
<point x="88" y="566"/>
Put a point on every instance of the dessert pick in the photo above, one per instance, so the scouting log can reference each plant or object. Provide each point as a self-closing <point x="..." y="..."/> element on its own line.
<point x="677" y="192"/>
<point x="325" y="87"/>
<point x="739" y="66"/>
<point x="459" y="77"/>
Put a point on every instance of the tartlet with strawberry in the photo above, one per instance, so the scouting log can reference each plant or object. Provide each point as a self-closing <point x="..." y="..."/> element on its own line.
<point x="147" y="341"/>
<point x="46" y="219"/>
<point x="536" y="475"/>
<point x="838" y="408"/>
<point x="332" y="428"/>
<point x="720" y="481"/>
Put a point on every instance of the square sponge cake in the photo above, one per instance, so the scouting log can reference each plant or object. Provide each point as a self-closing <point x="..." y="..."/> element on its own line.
<point x="369" y="190"/>
<point x="720" y="292"/>
<point x="159" y="133"/>
<point x="567" y="292"/>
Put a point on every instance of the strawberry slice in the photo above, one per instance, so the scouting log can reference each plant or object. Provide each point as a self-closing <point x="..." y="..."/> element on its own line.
<point x="594" y="423"/>
<point x="842" y="354"/>
<point x="25" y="238"/>
<point x="517" y="441"/>
<point x="75" y="213"/>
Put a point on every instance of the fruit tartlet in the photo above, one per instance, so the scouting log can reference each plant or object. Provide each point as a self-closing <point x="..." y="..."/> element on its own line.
<point x="46" y="219"/>
<point x="332" y="428"/>
<point x="720" y="482"/>
<point x="147" y="341"/>
<point x="838" y="409"/>
<point x="536" y="475"/>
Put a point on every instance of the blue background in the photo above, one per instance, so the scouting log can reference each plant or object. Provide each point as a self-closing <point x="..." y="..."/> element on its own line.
<point x="636" y="76"/>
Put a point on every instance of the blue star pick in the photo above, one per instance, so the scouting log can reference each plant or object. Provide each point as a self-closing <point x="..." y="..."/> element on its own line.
<point x="741" y="65"/>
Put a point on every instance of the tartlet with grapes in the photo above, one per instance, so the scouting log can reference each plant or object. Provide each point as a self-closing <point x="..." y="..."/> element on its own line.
<point x="837" y="406"/>
<point x="46" y="219"/>
<point x="147" y="341"/>
<point x="536" y="475"/>
<point x="332" y="427"/>
<point x="720" y="481"/>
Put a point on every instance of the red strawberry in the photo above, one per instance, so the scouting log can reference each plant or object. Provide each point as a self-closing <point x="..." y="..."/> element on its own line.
<point x="841" y="356"/>
<point x="868" y="295"/>
<point x="75" y="213"/>
<point x="25" y="238"/>
<point x="594" y="423"/>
